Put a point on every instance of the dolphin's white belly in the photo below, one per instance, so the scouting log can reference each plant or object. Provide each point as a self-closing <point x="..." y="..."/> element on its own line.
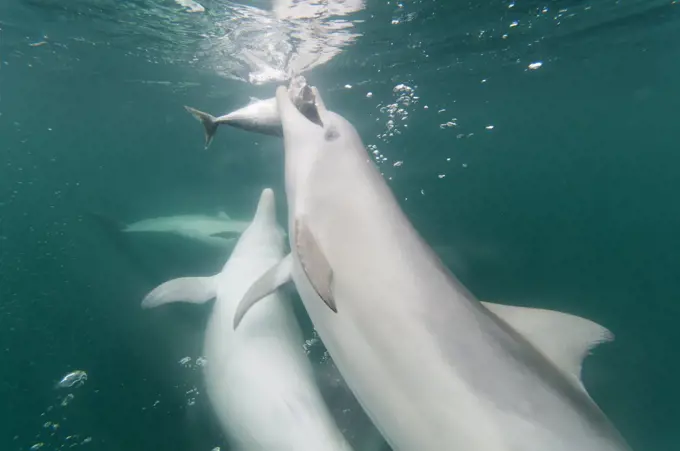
<point x="260" y="382"/>
<point x="394" y="399"/>
<point x="419" y="400"/>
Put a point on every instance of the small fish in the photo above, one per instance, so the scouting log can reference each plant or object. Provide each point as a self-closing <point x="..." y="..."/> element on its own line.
<point x="260" y="116"/>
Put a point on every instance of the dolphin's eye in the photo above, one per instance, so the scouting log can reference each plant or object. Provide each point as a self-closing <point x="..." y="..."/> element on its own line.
<point x="331" y="134"/>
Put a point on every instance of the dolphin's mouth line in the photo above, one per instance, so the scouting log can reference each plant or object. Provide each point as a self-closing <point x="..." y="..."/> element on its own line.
<point x="308" y="106"/>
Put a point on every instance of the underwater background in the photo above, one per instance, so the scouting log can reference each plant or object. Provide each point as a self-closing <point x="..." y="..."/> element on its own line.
<point x="534" y="145"/>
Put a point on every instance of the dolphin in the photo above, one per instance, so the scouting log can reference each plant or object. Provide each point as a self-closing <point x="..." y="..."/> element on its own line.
<point x="218" y="231"/>
<point x="258" y="379"/>
<point x="259" y="116"/>
<point x="433" y="367"/>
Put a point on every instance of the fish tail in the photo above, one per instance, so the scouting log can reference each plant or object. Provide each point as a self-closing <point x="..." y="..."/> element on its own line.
<point x="209" y="122"/>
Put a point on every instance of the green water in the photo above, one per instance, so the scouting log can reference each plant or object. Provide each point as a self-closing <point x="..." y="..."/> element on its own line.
<point x="551" y="186"/>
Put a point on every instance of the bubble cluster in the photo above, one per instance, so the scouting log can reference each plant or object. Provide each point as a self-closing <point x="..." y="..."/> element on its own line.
<point x="450" y="124"/>
<point x="51" y="435"/>
<point x="377" y="156"/>
<point x="311" y="343"/>
<point x="397" y="112"/>
<point x="185" y="362"/>
<point x="191" y="396"/>
<point x="67" y="400"/>
<point x="191" y="391"/>
<point x="201" y="362"/>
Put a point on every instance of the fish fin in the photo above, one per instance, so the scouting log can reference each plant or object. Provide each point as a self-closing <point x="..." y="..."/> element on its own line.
<point x="252" y="100"/>
<point x="209" y="122"/>
<point x="196" y="290"/>
<point x="563" y="338"/>
<point x="223" y="215"/>
<point x="270" y="281"/>
<point x="314" y="264"/>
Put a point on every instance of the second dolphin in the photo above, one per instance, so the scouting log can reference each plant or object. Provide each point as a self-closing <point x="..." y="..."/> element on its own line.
<point x="258" y="378"/>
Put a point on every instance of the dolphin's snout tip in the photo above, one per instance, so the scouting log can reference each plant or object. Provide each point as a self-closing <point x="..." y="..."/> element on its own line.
<point x="267" y="198"/>
<point x="268" y="193"/>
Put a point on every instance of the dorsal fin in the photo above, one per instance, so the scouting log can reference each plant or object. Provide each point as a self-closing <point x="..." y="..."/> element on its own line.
<point x="563" y="338"/>
<point x="221" y="214"/>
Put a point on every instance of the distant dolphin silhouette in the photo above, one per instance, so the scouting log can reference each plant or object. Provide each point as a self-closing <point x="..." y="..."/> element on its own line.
<point x="215" y="233"/>
<point x="212" y="230"/>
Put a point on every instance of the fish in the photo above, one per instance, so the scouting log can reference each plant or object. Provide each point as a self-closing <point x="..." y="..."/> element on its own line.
<point x="434" y="367"/>
<point x="259" y="116"/>
<point x="259" y="380"/>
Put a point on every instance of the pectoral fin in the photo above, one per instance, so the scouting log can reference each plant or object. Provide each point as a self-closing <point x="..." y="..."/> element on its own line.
<point x="564" y="339"/>
<point x="276" y="276"/>
<point x="314" y="264"/>
<point x="195" y="290"/>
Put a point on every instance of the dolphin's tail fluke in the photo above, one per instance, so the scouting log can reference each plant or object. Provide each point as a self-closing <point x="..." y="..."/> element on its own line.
<point x="109" y="224"/>
<point x="114" y="229"/>
<point x="111" y="227"/>
<point x="209" y="122"/>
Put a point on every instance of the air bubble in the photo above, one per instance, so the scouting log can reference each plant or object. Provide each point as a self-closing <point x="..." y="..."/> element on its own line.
<point x="73" y="379"/>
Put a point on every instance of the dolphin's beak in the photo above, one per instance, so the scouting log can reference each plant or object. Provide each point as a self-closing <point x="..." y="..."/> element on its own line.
<point x="318" y="102"/>
<point x="309" y="108"/>
<point x="296" y="127"/>
<point x="287" y="110"/>
<point x="266" y="207"/>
